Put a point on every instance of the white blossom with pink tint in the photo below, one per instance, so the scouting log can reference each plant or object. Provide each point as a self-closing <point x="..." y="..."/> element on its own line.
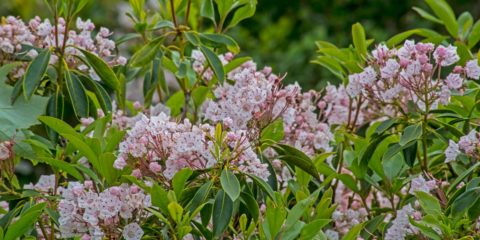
<point x="419" y="184"/>
<point x="394" y="78"/>
<point x="401" y="226"/>
<point x="88" y="213"/>
<point x="156" y="146"/>
<point x="467" y="145"/>
<point x="42" y="34"/>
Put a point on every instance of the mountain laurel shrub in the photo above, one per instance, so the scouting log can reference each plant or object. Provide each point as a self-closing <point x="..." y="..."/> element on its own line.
<point x="220" y="148"/>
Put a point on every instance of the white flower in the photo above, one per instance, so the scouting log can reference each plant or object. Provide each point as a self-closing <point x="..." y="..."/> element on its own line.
<point x="451" y="152"/>
<point x="472" y="69"/>
<point x="132" y="232"/>
<point x="454" y="81"/>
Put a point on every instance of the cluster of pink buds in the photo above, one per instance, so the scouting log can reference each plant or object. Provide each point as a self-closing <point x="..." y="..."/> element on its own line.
<point x="16" y="36"/>
<point x="90" y="214"/>
<point x="416" y="72"/>
<point x="467" y="145"/>
<point x="303" y="127"/>
<point x="158" y="147"/>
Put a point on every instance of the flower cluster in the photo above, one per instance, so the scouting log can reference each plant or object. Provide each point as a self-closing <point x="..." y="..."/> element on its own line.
<point x="254" y="99"/>
<point x="411" y="73"/>
<point x="45" y="184"/>
<point x="20" y="39"/>
<point x="303" y="128"/>
<point x="93" y="215"/>
<point x="401" y="226"/>
<point x="156" y="146"/>
<point x="467" y="145"/>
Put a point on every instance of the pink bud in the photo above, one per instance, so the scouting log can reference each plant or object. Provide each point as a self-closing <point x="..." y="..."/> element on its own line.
<point x="88" y="184"/>
<point x="458" y="69"/>
<point x="155" y="167"/>
<point x="115" y="191"/>
<point x="136" y="173"/>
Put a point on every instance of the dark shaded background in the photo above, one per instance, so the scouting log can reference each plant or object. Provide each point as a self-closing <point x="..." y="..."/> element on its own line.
<point x="282" y="33"/>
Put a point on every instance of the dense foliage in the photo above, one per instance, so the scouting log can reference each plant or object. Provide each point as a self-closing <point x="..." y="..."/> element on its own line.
<point x="220" y="148"/>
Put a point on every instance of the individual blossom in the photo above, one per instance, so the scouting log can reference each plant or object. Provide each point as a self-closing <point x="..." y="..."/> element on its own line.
<point x="472" y="70"/>
<point x="132" y="232"/>
<point x="467" y="145"/>
<point x="419" y="184"/>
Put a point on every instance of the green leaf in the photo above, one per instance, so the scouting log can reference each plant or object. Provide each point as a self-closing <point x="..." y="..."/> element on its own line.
<point x="220" y="39"/>
<point x="465" y="22"/>
<point x="215" y="63"/>
<point x="237" y="62"/>
<point x="230" y="184"/>
<point x="460" y="178"/>
<point x="207" y="10"/>
<point x="200" y="196"/>
<point x="427" y="15"/>
<point x="245" y="11"/>
<point x="474" y="36"/>
<point x="175" y="103"/>
<point x="62" y="166"/>
<point x="463" y="202"/>
<point x="354" y="232"/>
<point x="222" y="212"/>
<point x="6" y="69"/>
<point x="58" y="126"/>
<point x="359" y="39"/>
<point x="251" y="205"/>
<point x="25" y="222"/>
<point x="146" y="54"/>
<point x="297" y="158"/>
<point x="175" y="211"/>
<point x="102" y="69"/>
<point x="199" y="94"/>
<point x="273" y="132"/>
<point x="429" y="203"/>
<point x="445" y="13"/>
<point x="22" y="114"/>
<point x="77" y="95"/>
<point x="179" y="181"/>
<point x="34" y="74"/>
<point x="310" y="230"/>
<point x="409" y="154"/>
<point x="264" y="186"/>
<point x="102" y="96"/>
<point x="411" y="133"/>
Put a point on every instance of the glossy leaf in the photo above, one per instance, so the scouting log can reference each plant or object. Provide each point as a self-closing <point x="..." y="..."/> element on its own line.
<point x="222" y="212"/>
<point x="102" y="69"/>
<point x="214" y="63"/>
<point x="230" y="184"/>
<point x="34" y="73"/>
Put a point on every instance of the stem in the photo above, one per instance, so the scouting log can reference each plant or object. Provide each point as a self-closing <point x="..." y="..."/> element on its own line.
<point x="187" y="13"/>
<point x="174" y="17"/>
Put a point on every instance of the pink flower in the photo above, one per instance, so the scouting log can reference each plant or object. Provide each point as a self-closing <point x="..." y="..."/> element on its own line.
<point x="472" y="69"/>
<point x="446" y="56"/>
<point x="155" y="167"/>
